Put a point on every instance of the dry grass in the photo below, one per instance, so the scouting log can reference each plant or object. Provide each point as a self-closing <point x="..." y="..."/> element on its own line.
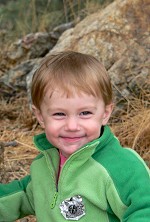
<point x="17" y="124"/>
<point x="133" y="128"/>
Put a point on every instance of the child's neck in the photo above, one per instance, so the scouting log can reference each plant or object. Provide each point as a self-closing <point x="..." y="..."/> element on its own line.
<point x="62" y="159"/>
<point x="61" y="163"/>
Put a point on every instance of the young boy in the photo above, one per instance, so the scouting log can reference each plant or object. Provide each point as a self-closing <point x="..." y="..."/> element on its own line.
<point x="82" y="173"/>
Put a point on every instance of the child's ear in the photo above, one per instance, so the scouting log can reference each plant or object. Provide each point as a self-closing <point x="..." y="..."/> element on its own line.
<point x="38" y="115"/>
<point x="107" y="114"/>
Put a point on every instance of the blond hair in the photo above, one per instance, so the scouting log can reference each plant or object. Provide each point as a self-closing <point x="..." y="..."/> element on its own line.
<point x="71" y="71"/>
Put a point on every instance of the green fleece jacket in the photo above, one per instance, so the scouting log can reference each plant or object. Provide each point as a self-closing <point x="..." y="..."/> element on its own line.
<point x="101" y="182"/>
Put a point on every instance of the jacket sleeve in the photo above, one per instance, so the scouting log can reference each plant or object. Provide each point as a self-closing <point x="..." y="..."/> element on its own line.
<point x="129" y="191"/>
<point x="15" y="200"/>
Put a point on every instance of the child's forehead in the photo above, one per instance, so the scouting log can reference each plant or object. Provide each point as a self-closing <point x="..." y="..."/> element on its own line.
<point x="59" y="92"/>
<point x="69" y="93"/>
<point x="59" y="99"/>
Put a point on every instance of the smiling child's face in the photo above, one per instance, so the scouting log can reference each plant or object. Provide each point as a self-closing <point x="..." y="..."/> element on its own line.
<point x="72" y="122"/>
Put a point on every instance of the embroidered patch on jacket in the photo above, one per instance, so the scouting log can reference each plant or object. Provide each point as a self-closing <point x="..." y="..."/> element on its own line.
<point x="73" y="208"/>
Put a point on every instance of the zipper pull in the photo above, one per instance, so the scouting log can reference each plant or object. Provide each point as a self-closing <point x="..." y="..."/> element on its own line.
<point x="54" y="200"/>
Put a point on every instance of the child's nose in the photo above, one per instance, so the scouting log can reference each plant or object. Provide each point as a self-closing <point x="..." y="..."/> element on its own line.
<point x="72" y="123"/>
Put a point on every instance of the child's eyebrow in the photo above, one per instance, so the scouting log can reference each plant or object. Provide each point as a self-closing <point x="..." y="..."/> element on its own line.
<point x="57" y="108"/>
<point x="88" y="107"/>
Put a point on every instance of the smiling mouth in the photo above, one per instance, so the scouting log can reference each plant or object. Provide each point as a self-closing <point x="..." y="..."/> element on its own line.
<point x="72" y="139"/>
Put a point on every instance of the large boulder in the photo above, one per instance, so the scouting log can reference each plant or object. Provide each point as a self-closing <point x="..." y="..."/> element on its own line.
<point x="119" y="37"/>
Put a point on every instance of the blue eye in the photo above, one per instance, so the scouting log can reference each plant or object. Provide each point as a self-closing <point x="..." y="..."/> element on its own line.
<point x="85" y="113"/>
<point x="58" y="114"/>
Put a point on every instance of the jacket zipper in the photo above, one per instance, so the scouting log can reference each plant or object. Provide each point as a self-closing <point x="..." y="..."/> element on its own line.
<point x="54" y="200"/>
<point x="53" y="203"/>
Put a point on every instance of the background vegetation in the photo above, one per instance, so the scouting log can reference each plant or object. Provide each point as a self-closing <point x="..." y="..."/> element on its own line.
<point x="20" y="17"/>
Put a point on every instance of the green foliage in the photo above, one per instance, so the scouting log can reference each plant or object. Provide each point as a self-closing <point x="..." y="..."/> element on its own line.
<point x="24" y="16"/>
<point x="20" y="17"/>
